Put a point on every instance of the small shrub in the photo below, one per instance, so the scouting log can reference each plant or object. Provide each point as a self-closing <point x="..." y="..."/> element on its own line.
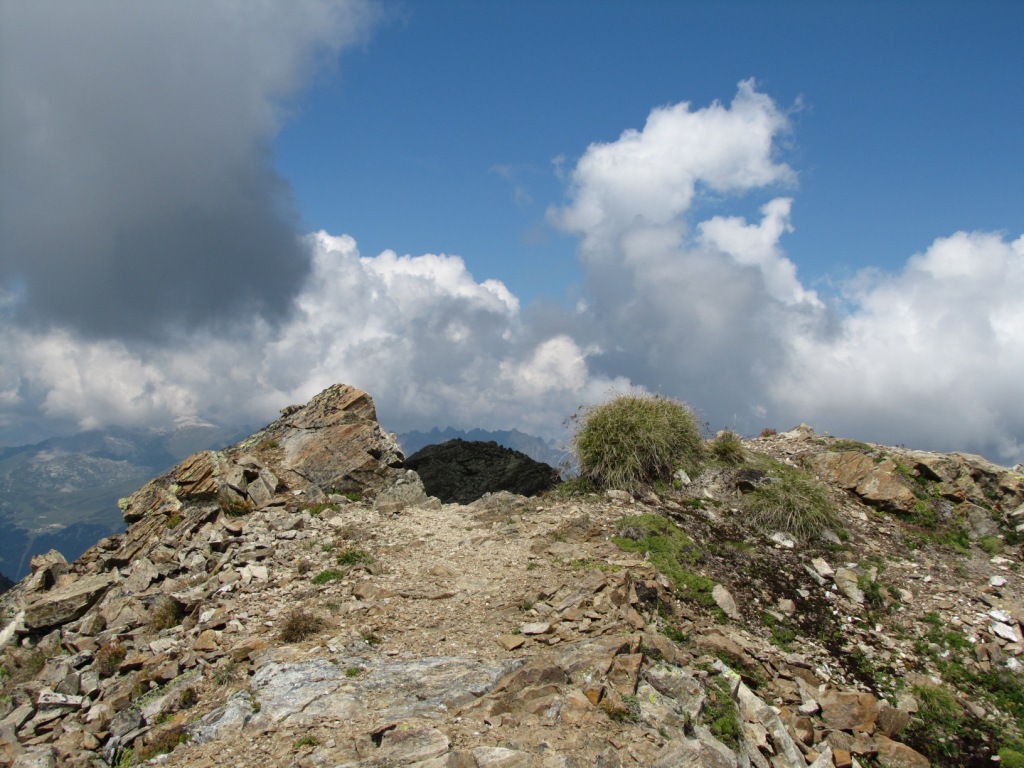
<point x="793" y="501"/>
<point x="727" y="447"/>
<point x="634" y="441"/>
<point x="354" y="557"/>
<point x="307" y="741"/>
<point x="299" y="625"/>
<point x="174" y="520"/>
<point x="768" y="432"/>
<point x="234" y="505"/>
<point x="109" y="658"/>
<point x="574" y="488"/>
<point x="162" y="743"/>
<point x="353" y="672"/>
<point x="188" y="698"/>
<point x="165" y="613"/>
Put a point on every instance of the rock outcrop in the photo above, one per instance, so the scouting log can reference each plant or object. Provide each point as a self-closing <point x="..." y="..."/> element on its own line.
<point x="461" y="471"/>
<point x="299" y="600"/>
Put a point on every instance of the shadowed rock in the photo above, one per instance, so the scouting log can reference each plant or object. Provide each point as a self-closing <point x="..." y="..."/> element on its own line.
<point x="461" y="471"/>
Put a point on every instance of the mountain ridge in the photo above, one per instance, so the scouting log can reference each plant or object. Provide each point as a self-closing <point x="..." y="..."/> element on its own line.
<point x="298" y="600"/>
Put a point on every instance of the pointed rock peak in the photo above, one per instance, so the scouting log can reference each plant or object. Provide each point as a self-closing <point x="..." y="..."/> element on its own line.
<point x="331" y="444"/>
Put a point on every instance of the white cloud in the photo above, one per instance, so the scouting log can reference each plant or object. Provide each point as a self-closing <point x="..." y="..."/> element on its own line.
<point x="710" y="311"/>
<point x="929" y="357"/>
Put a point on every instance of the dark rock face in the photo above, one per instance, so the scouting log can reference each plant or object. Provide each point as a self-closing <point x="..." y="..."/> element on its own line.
<point x="461" y="471"/>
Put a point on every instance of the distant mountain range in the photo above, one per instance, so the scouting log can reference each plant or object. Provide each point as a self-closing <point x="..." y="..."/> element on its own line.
<point x="62" y="493"/>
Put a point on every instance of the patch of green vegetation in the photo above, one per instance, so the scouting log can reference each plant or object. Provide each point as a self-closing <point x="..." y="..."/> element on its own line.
<point x="307" y="741"/>
<point x="371" y="638"/>
<point x="162" y="743"/>
<point x="1011" y="755"/>
<point x="166" y="612"/>
<point x="940" y="725"/>
<point x="635" y="440"/>
<point x="727" y="448"/>
<point x="574" y="488"/>
<point x="782" y="635"/>
<point x="629" y="712"/>
<point x="327" y="576"/>
<point x="234" y="505"/>
<point x="353" y="496"/>
<point x="353" y="672"/>
<point x="792" y="501"/>
<point x="532" y="566"/>
<point x="720" y="714"/>
<point x="174" y="520"/>
<point x="354" y="557"/>
<point x="670" y="550"/>
<point x="992" y="545"/>
<point x="851" y="445"/>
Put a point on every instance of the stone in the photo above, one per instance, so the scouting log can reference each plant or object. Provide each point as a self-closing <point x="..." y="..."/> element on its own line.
<point x="510" y="642"/>
<point x="822" y="568"/>
<point x="462" y="471"/>
<point x="501" y="757"/>
<point x="848" y="711"/>
<point x="893" y="754"/>
<point x="64" y="604"/>
<point x="535" y="628"/>
<point x="401" y="747"/>
<point x="846" y="581"/>
<point x="724" y="600"/>
<point x="36" y="757"/>
<point x="878" y="484"/>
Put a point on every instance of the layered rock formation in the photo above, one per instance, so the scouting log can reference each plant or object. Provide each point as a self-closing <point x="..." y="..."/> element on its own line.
<point x="299" y="600"/>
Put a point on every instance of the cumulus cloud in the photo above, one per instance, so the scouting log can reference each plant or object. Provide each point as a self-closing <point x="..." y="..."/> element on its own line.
<point x="931" y="356"/>
<point x="136" y="188"/>
<point x="688" y="300"/>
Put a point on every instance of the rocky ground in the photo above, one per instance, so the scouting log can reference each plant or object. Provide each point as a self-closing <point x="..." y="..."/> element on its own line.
<point x="298" y="600"/>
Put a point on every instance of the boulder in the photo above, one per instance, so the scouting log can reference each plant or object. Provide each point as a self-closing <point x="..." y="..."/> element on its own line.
<point x="462" y="471"/>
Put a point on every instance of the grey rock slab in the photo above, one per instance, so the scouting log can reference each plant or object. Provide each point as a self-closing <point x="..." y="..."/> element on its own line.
<point x="846" y="581"/>
<point x="230" y="718"/>
<point x="501" y="757"/>
<point x="724" y="600"/>
<point x="679" y="685"/>
<point x="395" y="689"/>
<point x="400" y="747"/>
<point x="36" y="757"/>
<point x="67" y="603"/>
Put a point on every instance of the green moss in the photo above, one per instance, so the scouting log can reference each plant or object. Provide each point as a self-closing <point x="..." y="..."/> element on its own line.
<point x="720" y="715"/>
<point x="670" y="550"/>
<point x="327" y="576"/>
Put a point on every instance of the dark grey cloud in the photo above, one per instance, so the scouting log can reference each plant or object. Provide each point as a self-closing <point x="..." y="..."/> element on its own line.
<point x="137" y="192"/>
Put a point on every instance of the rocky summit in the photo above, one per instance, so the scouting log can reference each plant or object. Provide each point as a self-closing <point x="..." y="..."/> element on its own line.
<point x="300" y="600"/>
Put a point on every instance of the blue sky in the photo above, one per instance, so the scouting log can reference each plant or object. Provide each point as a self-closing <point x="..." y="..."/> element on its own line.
<point x="487" y="214"/>
<point x="906" y="122"/>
